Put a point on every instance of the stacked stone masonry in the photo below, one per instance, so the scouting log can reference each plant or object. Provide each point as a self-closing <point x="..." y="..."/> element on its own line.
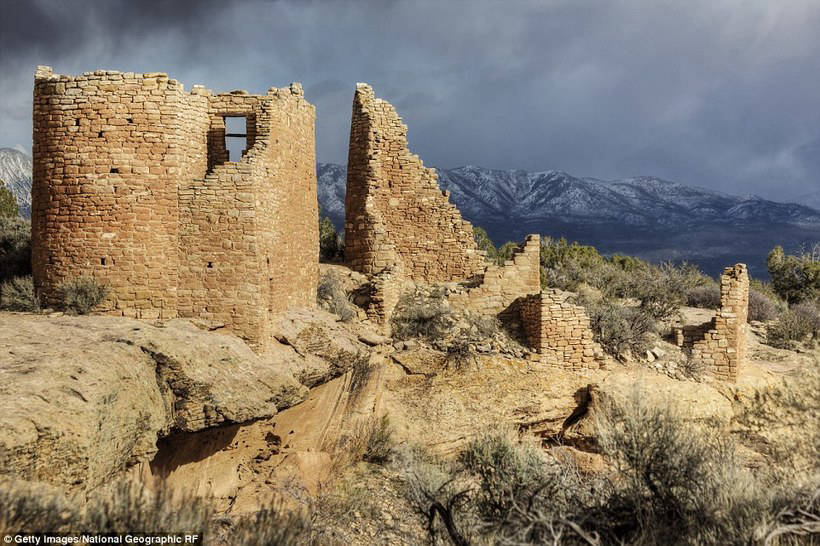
<point x="720" y="344"/>
<point x="395" y="212"/>
<point x="132" y="186"/>
<point x="500" y="286"/>
<point x="387" y="286"/>
<point x="559" y="331"/>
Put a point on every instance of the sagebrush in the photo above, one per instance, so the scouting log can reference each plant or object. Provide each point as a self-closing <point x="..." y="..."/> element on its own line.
<point x="673" y="483"/>
<point x="79" y="296"/>
<point x="18" y="294"/>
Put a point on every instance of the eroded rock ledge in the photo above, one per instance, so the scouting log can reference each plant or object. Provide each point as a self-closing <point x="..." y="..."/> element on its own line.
<point x="81" y="398"/>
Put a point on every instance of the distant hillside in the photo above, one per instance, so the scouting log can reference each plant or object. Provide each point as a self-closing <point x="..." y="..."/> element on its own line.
<point x="15" y="171"/>
<point x="810" y="200"/>
<point x="646" y="216"/>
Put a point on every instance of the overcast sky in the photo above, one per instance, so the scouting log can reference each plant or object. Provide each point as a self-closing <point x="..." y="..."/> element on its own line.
<point x="718" y="93"/>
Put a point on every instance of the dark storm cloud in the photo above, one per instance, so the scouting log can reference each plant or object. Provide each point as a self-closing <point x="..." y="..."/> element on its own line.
<point x="720" y="93"/>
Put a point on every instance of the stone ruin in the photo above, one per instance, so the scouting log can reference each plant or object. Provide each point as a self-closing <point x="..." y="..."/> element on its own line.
<point x="720" y="344"/>
<point x="395" y="213"/>
<point x="400" y="224"/>
<point x="132" y="185"/>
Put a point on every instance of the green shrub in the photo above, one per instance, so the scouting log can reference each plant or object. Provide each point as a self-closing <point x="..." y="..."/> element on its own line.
<point x="794" y="278"/>
<point x="330" y="245"/>
<point x="483" y="241"/>
<point x="79" y="296"/>
<point x="331" y="296"/>
<point x="505" y="252"/>
<point x="18" y="294"/>
<point x="662" y="290"/>
<point x="15" y="248"/>
<point x="8" y="203"/>
<point x="619" y="329"/>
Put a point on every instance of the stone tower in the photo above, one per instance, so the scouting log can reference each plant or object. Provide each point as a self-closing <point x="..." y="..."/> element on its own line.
<point x="132" y="186"/>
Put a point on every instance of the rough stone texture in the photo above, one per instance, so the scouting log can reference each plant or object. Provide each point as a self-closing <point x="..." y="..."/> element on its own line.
<point x="81" y="398"/>
<point x="559" y="331"/>
<point x="386" y="289"/>
<point x="131" y="185"/>
<point x="720" y="344"/>
<point x="329" y="347"/>
<point x="395" y="212"/>
<point x="500" y="286"/>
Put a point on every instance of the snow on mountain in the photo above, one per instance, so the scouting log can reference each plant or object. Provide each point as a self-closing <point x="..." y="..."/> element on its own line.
<point x="15" y="172"/>
<point x="492" y="196"/>
<point x="332" y="186"/>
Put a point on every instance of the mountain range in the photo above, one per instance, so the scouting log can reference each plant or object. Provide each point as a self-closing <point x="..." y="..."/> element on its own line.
<point x="644" y="216"/>
<point x="15" y="172"/>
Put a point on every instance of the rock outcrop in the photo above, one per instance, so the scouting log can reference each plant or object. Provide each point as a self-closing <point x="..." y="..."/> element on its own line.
<point x="82" y="398"/>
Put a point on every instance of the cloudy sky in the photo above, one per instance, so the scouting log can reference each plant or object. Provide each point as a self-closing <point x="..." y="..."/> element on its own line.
<point x="718" y="93"/>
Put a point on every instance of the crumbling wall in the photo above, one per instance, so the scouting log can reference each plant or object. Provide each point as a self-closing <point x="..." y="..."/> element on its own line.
<point x="131" y="186"/>
<point x="395" y="212"/>
<point x="721" y="343"/>
<point x="559" y="331"/>
<point x="499" y="286"/>
<point x="386" y="290"/>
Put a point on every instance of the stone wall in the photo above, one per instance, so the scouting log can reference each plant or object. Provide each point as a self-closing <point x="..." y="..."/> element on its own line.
<point x="559" y="331"/>
<point x="721" y="343"/>
<point x="131" y="185"/>
<point x="499" y="286"/>
<point x="395" y="212"/>
<point x="387" y="286"/>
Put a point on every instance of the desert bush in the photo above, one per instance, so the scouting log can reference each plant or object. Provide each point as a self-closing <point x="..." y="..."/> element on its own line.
<point x="564" y="265"/>
<point x="273" y="525"/>
<point x="794" y="278"/>
<point x="673" y="483"/>
<point x="18" y="294"/>
<point x="662" y="290"/>
<point x="619" y="329"/>
<point x="763" y="306"/>
<point x="704" y="297"/>
<point x="8" y="203"/>
<point x="79" y="296"/>
<point x="330" y="245"/>
<point x="678" y="484"/>
<point x="27" y="507"/>
<point x="15" y="247"/>
<point x="809" y="312"/>
<point x="127" y="507"/>
<point x="425" y="316"/>
<point x="799" y="324"/>
<point x="379" y="444"/>
<point x="693" y="368"/>
<point x="505" y="252"/>
<point x="483" y="241"/>
<point x="331" y="296"/>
